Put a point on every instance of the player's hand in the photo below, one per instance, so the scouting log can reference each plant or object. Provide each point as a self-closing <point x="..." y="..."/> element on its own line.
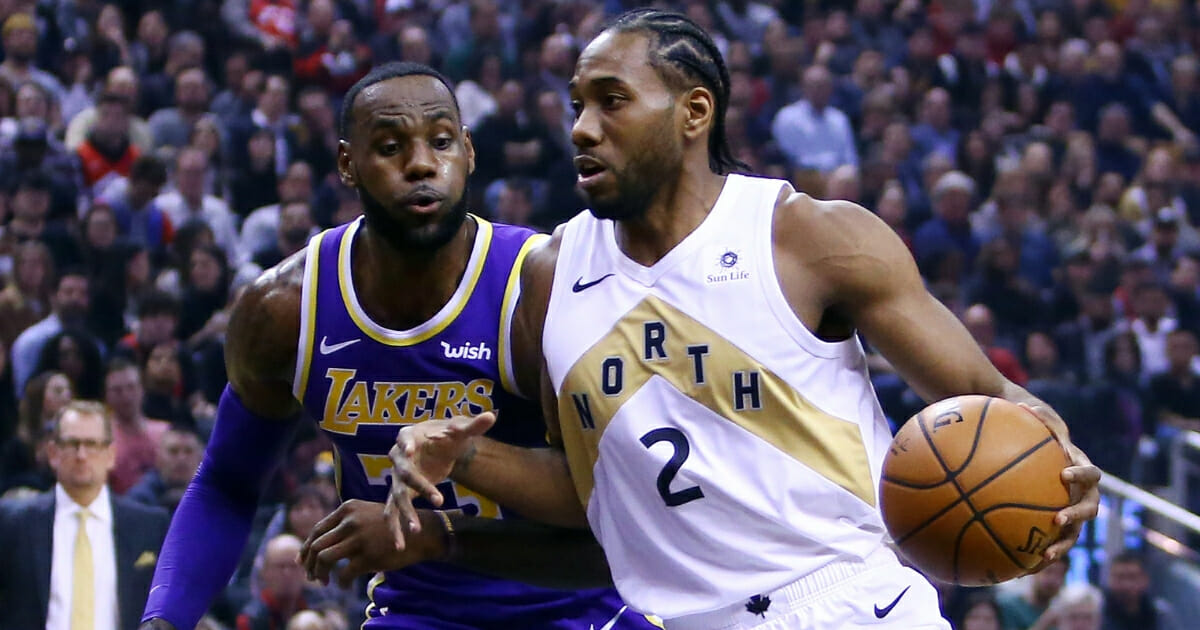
<point x="1082" y="479"/>
<point x="358" y="533"/>
<point x="156" y="624"/>
<point x="425" y="454"/>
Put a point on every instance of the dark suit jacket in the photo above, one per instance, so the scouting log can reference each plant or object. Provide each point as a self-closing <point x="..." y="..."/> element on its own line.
<point x="26" y="536"/>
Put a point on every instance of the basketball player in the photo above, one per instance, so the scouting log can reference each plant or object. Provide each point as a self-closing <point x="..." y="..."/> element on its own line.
<point x="703" y="375"/>
<point x="394" y="318"/>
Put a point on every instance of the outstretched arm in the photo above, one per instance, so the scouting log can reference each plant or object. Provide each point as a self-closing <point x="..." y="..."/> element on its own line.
<point x="255" y="421"/>
<point x="867" y="280"/>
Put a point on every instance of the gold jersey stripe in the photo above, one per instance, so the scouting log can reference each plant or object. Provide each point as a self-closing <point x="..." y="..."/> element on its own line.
<point x="831" y="446"/>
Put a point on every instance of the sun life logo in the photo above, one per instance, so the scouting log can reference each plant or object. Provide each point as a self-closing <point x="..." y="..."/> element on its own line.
<point x="727" y="267"/>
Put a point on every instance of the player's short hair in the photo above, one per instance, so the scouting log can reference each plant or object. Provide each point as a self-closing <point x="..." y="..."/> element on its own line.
<point x="684" y="55"/>
<point x="391" y="70"/>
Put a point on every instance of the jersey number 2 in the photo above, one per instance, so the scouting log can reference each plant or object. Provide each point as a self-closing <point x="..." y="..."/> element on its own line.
<point x="682" y="450"/>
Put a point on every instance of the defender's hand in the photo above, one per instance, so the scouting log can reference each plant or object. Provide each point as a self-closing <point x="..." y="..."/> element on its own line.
<point x="358" y="532"/>
<point x="425" y="454"/>
<point x="1082" y="479"/>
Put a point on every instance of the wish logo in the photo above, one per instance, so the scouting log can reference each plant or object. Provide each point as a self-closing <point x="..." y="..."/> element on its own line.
<point x="467" y="351"/>
<point x="727" y="265"/>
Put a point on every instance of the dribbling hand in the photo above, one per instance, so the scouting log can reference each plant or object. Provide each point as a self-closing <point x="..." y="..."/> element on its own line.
<point x="425" y="454"/>
<point x="1082" y="479"/>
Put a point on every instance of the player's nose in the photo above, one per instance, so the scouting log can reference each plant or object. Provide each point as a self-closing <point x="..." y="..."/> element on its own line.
<point x="586" y="130"/>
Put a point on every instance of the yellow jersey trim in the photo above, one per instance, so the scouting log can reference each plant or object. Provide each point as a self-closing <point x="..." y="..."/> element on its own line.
<point x="308" y="317"/>
<point x="508" y="306"/>
<point x="436" y="324"/>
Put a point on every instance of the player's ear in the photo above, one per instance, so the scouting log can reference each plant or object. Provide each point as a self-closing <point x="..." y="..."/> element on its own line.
<point x="470" y="147"/>
<point x="345" y="166"/>
<point x="699" y="106"/>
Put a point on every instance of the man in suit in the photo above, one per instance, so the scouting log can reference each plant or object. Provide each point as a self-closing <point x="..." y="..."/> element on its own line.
<point x="78" y="557"/>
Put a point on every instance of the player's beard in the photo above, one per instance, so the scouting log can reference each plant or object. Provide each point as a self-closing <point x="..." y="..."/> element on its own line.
<point x="642" y="177"/>
<point x="426" y="238"/>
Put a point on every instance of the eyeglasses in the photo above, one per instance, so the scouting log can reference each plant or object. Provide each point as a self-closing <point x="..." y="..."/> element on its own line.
<point x="90" y="446"/>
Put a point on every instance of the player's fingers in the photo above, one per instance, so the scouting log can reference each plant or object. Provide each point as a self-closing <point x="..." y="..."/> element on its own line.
<point x="468" y="426"/>
<point x="404" y="475"/>
<point x="331" y="520"/>
<point x="311" y="555"/>
<point x="328" y="558"/>
<point x="391" y="514"/>
<point x="1066" y="540"/>
<point x="1086" y="476"/>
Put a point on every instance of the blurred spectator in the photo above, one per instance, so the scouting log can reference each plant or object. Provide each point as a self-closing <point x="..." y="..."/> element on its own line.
<point x="205" y="295"/>
<point x="179" y="453"/>
<point x="261" y="228"/>
<point x="317" y="137"/>
<point x="982" y="326"/>
<point x="1176" y="391"/>
<point x="76" y="353"/>
<point x="36" y="153"/>
<point x="23" y="458"/>
<point x="165" y="379"/>
<point x="120" y="81"/>
<point x="189" y="202"/>
<point x="1151" y="325"/>
<point x="1076" y="607"/>
<point x="295" y="227"/>
<point x="134" y="201"/>
<point x="20" y="38"/>
<point x="1023" y="607"/>
<point x="1118" y="415"/>
<point x="949" y="231"/>
<point x="511" y="143"/>
<point x="254" y="185"/>
<point x="135" y="437"/>
<point x="26" y="299"/>
<point x="980" y="613"/>
<point x="335" y="62"/>
<point x="107" y="150"/>
<point x="1129" y="603"/>
<point x="157" y="322"/>
<point x="68" y="309"/>
<point x="813" y="134"/>
<point x="283" y="592"/>
<point x="172" y="126"/>
<point x="270" y="113"/>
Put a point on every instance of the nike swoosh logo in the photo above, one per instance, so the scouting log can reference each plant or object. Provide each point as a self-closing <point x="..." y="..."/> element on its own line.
<point x="880" y="613"/>
<point x="328" y="349"/>
<point x="580" y="285"/>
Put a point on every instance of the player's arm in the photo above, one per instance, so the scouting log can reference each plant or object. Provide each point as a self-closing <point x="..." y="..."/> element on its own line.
<point x="358" y="534"/>
<point x="865" y="279"/>
<point x="535" y="482"/>
<point x="256" y="418"/>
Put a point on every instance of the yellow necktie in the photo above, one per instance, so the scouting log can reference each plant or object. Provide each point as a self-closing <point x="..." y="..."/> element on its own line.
<point x="83" y="591"/>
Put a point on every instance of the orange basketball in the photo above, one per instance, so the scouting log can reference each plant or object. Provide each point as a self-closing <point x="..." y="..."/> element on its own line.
<point x="970" y="488"/>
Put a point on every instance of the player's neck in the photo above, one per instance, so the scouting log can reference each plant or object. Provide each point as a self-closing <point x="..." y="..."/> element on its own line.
<point x="403" y="289"/>
<point x="674" y="213"/>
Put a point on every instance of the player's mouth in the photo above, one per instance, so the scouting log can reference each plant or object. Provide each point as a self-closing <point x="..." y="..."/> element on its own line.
<point x="422" y="201"/>
<point x="590" y="170"/>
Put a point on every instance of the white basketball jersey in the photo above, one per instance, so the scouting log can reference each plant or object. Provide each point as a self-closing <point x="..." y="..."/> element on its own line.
<point x="721" y="449"/>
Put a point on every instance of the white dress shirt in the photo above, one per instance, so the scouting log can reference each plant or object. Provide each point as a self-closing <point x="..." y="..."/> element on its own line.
<point x="104" y="560"/>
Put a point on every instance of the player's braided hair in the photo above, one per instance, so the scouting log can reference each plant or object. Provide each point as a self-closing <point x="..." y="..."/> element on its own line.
<point x="683" y="54"/>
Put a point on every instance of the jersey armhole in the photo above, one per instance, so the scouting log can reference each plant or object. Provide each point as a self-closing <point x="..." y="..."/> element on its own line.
<point x="508" y="307"/>
<point x="308" y="317"/>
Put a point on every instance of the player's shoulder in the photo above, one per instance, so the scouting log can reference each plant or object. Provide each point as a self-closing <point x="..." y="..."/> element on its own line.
<point x="820" y="228"/>
<point x="264" y="327"/>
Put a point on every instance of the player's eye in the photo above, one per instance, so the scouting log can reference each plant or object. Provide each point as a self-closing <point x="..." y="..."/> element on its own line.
<point x="577" y="108"/>
<point x="441" y="143"/>
<point x="389" y="148"/>
<point x="612" y="101"/>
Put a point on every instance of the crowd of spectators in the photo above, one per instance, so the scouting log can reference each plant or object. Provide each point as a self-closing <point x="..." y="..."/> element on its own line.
<point x="1039" y="157"/>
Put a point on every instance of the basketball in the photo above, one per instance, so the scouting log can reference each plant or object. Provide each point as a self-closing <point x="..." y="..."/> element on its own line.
<point x="970" y="488"/>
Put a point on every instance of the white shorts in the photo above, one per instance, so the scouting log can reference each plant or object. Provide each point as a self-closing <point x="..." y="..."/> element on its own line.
<point x="876" y="593"/>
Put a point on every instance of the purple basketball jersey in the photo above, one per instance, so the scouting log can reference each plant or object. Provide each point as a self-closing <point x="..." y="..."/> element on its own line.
<point x="362" y="382"/>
